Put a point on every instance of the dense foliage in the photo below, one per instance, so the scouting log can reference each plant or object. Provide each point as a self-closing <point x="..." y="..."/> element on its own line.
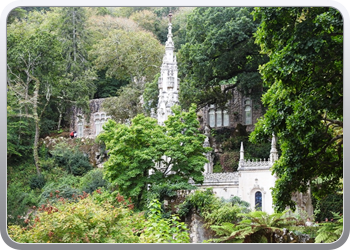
<point x="162" y="230"/>
<point x="219" y="50"/>
<point x="144" y="153"/>
<point x="85" y="221"/>
<point x="71" y="159"/>
<point x="256" y="227"/>
<point x="330" y="231"/>
<point x="101" y="217"/>
<point x="61" y="57"/>
<point x="305" y="99"/>
<point x="215" y="211"/>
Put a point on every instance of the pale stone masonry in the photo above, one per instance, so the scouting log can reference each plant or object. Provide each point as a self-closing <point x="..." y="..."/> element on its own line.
<point x="168" y="83"/>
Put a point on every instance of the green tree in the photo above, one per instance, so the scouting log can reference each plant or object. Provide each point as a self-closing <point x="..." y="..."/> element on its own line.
<point x="34" y="64"/>
<point x="99" y="27"/>
<point x="77" y="82"/>
<point x="128" y="55"/>
<point x="182" y="147"/>
<point x="305" y="99"/>
<point x="173" y="153"/>
<point x="145" y="19"/>
<point x="132" y="150"/>
<point x="17" y="13"/>
<point x="150" y="95"/>
<point x="219" y="50"/>
<point x="19" y="131"/>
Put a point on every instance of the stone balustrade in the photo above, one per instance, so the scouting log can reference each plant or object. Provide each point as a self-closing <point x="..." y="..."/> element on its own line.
<point x="220" y="177"/>
<point x="255" y="164"/>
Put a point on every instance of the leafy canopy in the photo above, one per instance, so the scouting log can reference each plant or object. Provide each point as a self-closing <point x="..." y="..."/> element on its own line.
<point x="219" y="50"/>
<point x="173" y="153"/>
<point x="305" y="99"/>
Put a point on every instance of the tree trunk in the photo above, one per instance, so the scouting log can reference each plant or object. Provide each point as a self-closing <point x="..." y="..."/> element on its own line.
<point x="74" y="37"/>
<point x="37" y="125"/>
<point x="59" y="118"/>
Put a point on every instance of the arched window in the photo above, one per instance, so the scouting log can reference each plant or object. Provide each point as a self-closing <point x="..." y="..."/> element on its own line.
<point x="103" y="120"/>
<point x="226" y="118"/>
<point x="100" y="119"/>
<point x="212" y="118"/>
<point x="80" y="129"/>
<point x="258" y="201"/>
<point x="248" y="112"/>
<point x="97" y="126"/>
<point x="218" y="117"/>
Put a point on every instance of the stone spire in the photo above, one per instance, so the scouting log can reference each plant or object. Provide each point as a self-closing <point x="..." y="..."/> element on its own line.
<point x="168" y="83"/>
<point x="273" y="151"/>
<point x="241" y="153"/>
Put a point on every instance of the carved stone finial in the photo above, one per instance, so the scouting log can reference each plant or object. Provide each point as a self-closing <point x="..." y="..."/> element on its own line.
<point x="170" y="15"/>
<point x="273" y="151"/>
<point x="206" y="130"/>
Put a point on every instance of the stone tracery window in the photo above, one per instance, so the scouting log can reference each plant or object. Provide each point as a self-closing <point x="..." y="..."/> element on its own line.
<point x="97" y="126"/>
<point x="247" y="112"/>
<point x="258" y="201"/>
<point x="218" y="117"/>
<point x="99" y="119"/>
<point x="80" y="131"/>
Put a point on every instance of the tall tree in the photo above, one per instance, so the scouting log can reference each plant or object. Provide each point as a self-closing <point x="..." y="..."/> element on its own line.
<point x="305" y="99"/>
<point x="99" y="28"/>
<point x="33" y="63"/>
<point x="219" y="50"/>
<point x="77" y="83"/>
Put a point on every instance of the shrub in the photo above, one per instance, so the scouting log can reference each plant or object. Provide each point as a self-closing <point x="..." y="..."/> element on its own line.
<point x="244" y="206"/>
<point x="167" y="190"/>
<point x="71" y="159"/>
<point x="47" y="164"/>
<point x="225" y="213"/>
<point x="212" y="209"/>
<point x="162" y="230"/>
<point x="85" y="221"/>
<point x="37" y="181"/>
<point x="200" y="201"/>
<point x="217" y="168"/>
<point x="64" y="187"/>
<point x="93" y="180"/>
<point x="19" y="202"/>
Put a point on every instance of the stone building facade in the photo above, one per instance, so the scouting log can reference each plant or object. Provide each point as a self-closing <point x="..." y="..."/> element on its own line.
<point x="239" y="110"/>
<point x="89" y="125"/>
